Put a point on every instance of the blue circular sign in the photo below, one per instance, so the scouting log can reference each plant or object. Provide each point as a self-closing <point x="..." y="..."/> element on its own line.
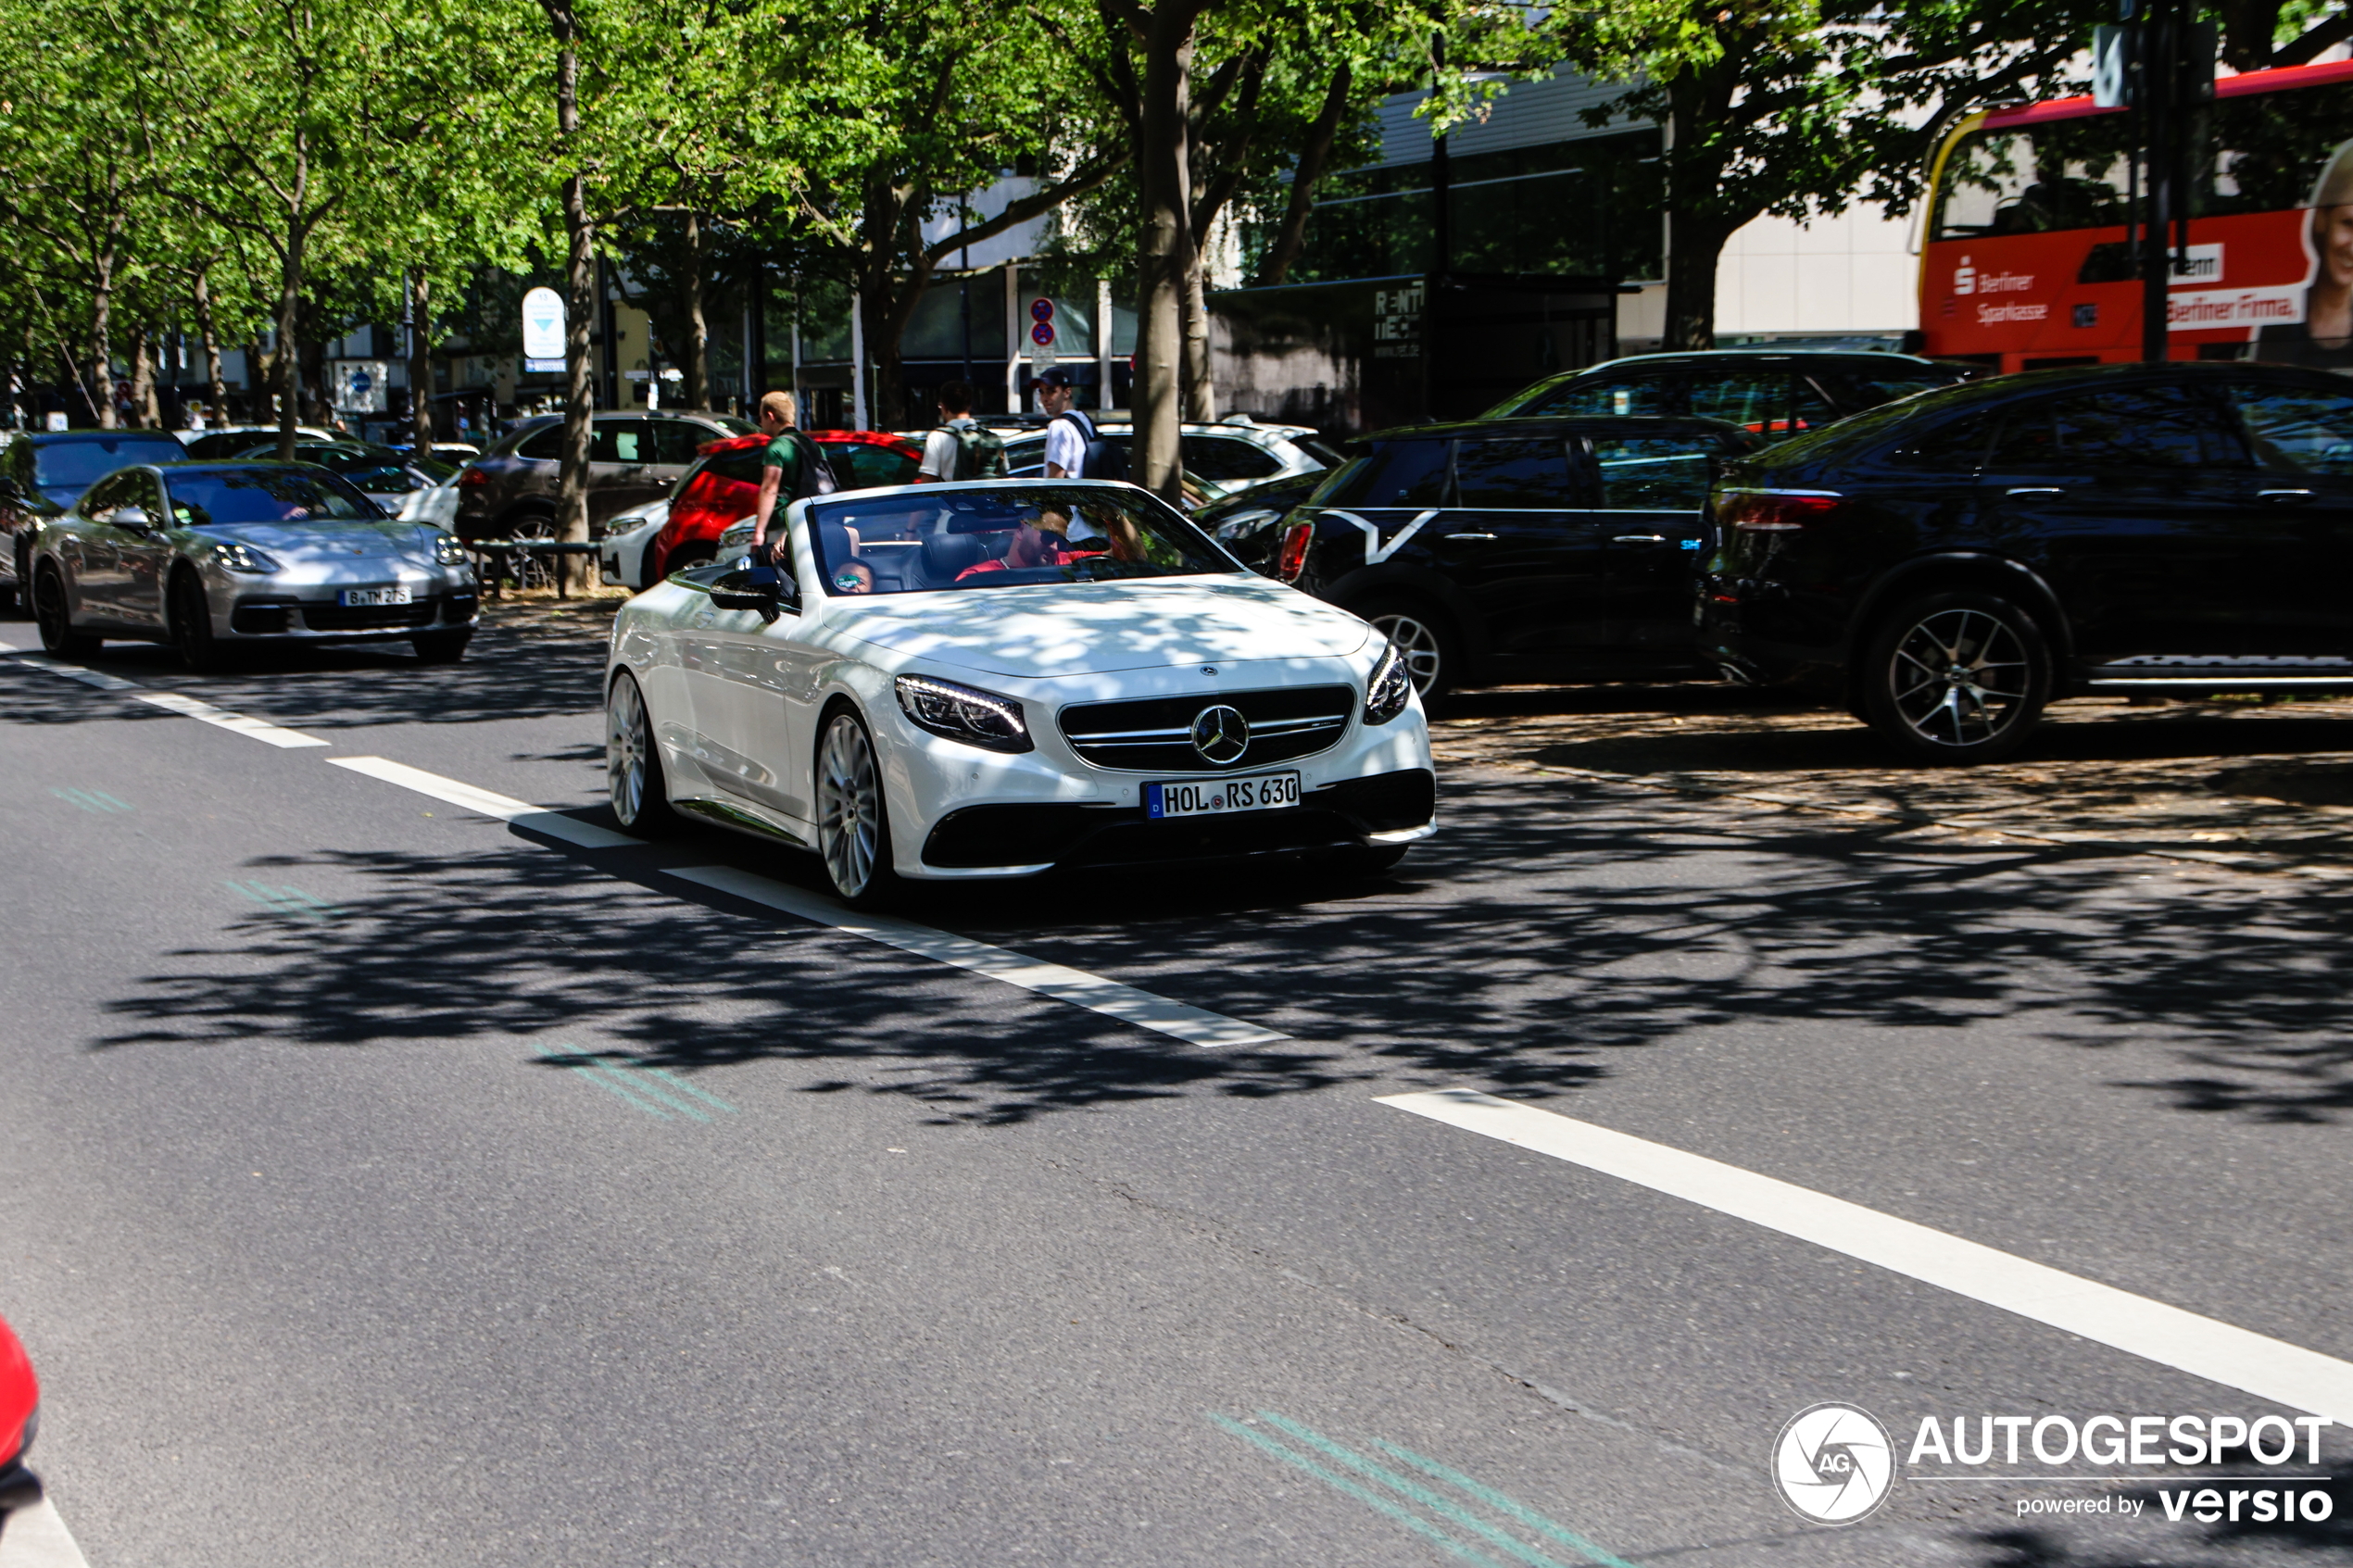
<point x="1042" y="334"/>
<point x="1041" y="309"/>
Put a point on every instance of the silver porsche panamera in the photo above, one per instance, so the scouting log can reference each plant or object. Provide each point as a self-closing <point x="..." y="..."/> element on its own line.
<point x="209" y="556"/>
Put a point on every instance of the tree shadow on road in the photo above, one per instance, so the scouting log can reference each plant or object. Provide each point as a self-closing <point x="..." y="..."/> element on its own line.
<point x="1550" y="927"/>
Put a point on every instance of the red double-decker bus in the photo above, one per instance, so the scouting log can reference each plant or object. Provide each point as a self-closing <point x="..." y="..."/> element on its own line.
<point x="2027" y="261"/>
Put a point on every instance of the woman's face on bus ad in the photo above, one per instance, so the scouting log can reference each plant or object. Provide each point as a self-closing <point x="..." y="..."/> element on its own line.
<point x="2332" y="237"/>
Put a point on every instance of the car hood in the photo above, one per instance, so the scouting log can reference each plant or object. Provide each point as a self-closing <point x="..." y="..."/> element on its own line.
<point x="1089" y="628"/>
<point x="302" y="543"/>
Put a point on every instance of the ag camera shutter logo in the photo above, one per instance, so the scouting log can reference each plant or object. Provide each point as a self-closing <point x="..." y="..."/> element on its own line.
<point x="1833" y="1463"/>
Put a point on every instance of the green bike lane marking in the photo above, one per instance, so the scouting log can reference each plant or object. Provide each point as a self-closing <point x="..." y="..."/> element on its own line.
<point x="643" y="1088"/>
<point x="285" y="900"/>
<point x="94" y="800"/>
<point x="1411" y="1491"/>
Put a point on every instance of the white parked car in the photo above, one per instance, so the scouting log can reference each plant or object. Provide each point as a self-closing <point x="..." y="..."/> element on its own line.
<point x="1218" y="458"/>
<point x="621" y="552"/>
<point x="995" y="679"/>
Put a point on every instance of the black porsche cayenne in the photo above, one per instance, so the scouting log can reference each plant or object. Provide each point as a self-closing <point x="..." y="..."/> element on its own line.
<point x="1947" y="565"/>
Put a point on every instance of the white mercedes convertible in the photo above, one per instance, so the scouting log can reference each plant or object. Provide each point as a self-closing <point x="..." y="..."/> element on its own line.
<point x="995" y="679"/>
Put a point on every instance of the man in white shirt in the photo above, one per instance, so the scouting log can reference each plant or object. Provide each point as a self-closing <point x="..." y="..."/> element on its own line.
<point x="1067" y="430"/>
<point x="942" y="445"/>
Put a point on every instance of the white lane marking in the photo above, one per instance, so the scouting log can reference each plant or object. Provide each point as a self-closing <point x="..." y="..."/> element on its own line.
<point x="1193" y="1026"/>
<point x="2270" y="1369"/>
<point x="505" y="808"/>
<point x="36" y="1538"/>
<point x="187" y="706"/>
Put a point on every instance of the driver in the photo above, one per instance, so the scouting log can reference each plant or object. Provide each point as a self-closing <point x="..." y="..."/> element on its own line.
<point x="1037" y="542"/>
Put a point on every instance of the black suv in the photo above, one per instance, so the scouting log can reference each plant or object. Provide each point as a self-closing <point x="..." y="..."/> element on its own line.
<point x="1773" y="394"/>
<point x="1506" y="549"/>
<point x="1947" y="565"/>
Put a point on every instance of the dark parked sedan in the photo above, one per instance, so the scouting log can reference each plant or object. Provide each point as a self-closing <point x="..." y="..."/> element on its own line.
<point x="1508" y="549"/>
<point x="1947" y="565"/>
<point x="1776" y="393"/>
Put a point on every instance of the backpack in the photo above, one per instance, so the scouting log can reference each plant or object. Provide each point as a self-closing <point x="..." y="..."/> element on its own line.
<point x="816" y="473"/>
<point x="980" y="452"/>
<point x="1104" y="460"/>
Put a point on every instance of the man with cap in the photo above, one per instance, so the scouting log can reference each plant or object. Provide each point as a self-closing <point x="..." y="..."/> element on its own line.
<point x="1067" y="430"/>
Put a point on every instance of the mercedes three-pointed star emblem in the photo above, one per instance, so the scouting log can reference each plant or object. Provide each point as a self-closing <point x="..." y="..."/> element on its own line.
<point x="1221" y="735"/>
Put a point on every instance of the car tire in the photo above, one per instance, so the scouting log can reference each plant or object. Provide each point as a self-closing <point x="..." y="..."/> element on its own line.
<point x="1425" y="636"/>
<point x="1957" y="678"/>
<point x="49" y="608"/>
<point x="853" y="821"/>
<point x="634" y="777"/>
<point x="442" y="647"/>
<point x="192" y="623"/>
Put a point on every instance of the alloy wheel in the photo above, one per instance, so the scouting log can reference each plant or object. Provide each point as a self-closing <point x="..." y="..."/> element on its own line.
<point x="1961" y="677"/>
<point x="1417" y="643"/>
<point x="848" y="806"/>
<point x="625" y="748"/>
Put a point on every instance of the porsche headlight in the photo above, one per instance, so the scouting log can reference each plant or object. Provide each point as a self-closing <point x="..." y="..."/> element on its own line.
<point x="446" y="551"/>
<point x="1390" y="689"/>
<point x="230" y="555"/>
<point x="963" y="713"/>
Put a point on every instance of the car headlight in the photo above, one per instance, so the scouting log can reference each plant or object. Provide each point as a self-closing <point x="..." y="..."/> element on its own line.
<point x="1242" y="524"/>
<point x="230" y="555"/>
<point x="963" y="713"/>
<point x="1390" y="689"/>
<point x="446" y="551"/>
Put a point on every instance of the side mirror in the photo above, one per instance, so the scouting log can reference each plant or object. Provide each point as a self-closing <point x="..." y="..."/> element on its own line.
<point x="133" y="518"/>
<point x="766" y="591"/>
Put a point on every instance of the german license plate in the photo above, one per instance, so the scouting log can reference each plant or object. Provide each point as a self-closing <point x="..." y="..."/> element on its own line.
<point x="355" y="598"/>
<point x="1214" y="798"/>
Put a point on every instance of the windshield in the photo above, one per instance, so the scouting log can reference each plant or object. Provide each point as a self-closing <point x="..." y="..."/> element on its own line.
<point x="71" y="463"/>
<point x="225" y="496"/>
<point x="996" y="538"/>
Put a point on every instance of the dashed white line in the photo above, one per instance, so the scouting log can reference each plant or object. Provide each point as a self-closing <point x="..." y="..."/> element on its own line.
<point x="505" y="808"/>
<point x="187" y="706"/>
<point x="34" y="1536"/>
<point x="1193" y="1026"/>
<point x="2270" y="1369"/>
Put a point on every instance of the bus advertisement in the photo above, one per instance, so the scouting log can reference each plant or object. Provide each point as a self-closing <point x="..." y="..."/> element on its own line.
<point x="2028" y="261"/>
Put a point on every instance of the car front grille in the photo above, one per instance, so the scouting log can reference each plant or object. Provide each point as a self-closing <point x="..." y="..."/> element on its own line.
<point x="1154" y="734"/>
<point x="368" y="618"/>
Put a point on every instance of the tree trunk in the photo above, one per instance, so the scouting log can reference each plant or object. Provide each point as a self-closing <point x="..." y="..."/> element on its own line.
<point x="143" y="380"/>
<point x="1201" y="390"/>
<point x="698" y="330"/>
<point x="288" y="353"/>
<point x="1163" y="250"/>
<point x="102" y="344"/>
<point x="216" y="386"/>
<point x="420" y="363"/>
<point x="1292" y="236"/>
<point x="572" y="504"/>
<point x="1695" y="234"/>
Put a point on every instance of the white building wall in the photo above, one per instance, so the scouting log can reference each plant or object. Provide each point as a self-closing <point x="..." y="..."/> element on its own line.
<point x="1852" y="274"/>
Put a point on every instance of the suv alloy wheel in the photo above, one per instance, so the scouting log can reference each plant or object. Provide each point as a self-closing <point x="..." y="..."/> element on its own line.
<point x="1957" y="677"/>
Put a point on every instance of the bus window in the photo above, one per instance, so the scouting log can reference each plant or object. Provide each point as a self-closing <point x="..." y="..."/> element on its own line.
<point x="2269" y="147"/>
<point x="1984" y="175"/>
<point x="2066" y="174"/>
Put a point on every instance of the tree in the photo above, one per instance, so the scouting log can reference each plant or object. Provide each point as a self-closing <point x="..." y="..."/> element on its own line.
<point x="2265" y="35"/>
<point x="930" y="102"/>
<point x="1791" y="108"/>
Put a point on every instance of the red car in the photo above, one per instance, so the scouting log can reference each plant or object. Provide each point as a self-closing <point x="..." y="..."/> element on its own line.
<point x="20" y="1412"/>
<point x="723" y="488"/>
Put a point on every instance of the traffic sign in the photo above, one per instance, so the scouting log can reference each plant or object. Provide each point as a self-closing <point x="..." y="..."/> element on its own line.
<point x="543" y="324"/>
<point x="1041" y="309"/>
<point x="1042" y="334"/>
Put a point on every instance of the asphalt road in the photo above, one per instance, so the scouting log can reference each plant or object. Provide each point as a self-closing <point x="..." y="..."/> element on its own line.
<point x="385" y="1183"/>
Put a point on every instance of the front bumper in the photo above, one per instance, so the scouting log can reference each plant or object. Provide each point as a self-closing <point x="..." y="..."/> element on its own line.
<point x="286" y="617"/>
<point x="1385" y="808"/>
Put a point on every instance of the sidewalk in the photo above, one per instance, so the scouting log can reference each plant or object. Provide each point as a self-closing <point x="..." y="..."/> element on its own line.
<point x="2259" y="786"/>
